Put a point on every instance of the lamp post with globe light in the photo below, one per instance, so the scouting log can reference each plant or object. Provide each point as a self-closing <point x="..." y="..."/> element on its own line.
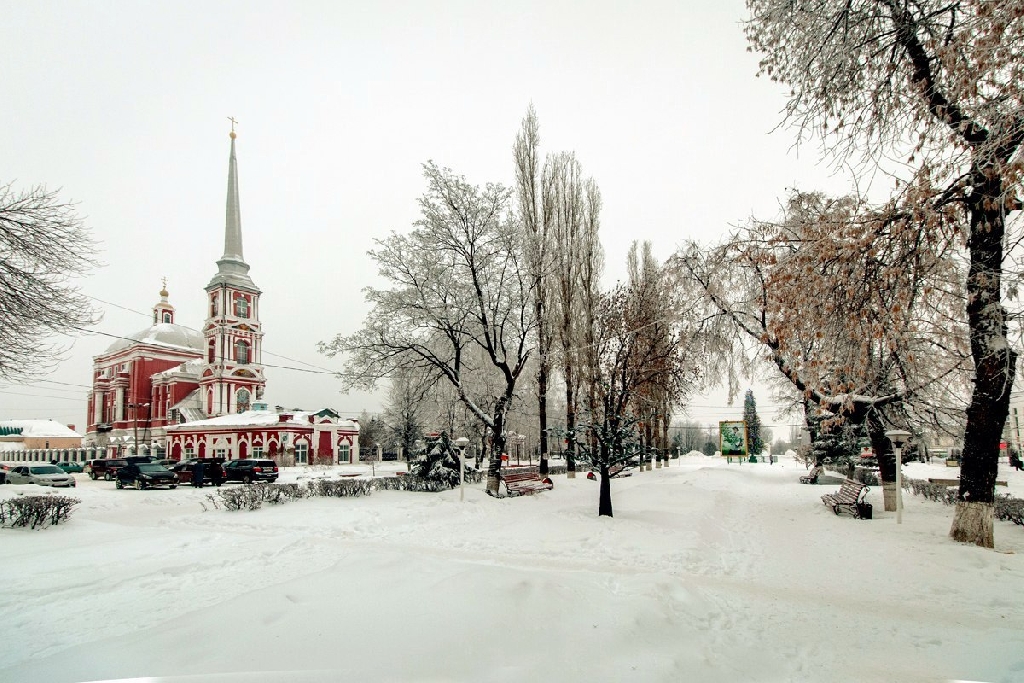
<point x="898" y="437"/>
<point x="461" y="444"/>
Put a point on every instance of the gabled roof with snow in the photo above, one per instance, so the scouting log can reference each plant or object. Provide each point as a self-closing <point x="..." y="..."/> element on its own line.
<point x="41" y="428"/>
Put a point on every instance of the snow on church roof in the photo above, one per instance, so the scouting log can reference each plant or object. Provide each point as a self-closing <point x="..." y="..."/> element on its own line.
<point x="252" y="418"/>
<point x="162" y="334"/>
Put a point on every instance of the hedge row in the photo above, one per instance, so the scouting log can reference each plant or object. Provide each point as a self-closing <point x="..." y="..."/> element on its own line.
<point x="253" y="496"/>
<point x="1006" y="507"/>
<point x="36" y="512"/>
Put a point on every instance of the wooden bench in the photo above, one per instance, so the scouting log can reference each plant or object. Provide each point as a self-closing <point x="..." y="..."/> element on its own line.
<point x="812" y="476"/>
<point x="955" y="482"/>
<point x="525" y="483"/>
<point x="849" y="497"/>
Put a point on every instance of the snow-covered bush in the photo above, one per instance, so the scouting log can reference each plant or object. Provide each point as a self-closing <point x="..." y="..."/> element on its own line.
<point x="253" y="496"/>
<point x="338" y="488"/>
<point x="1006" y="506"/>
<point x="36" y="512"/>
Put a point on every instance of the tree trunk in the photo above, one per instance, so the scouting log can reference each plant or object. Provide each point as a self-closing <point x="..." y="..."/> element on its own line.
<point x="604" y="503"/>
<point x="497" y="448"/>
<point x="886" y="459"/>
<point x="542" y="393"/>
<point x="570" y="422"/>
<point x="994" y="365"/>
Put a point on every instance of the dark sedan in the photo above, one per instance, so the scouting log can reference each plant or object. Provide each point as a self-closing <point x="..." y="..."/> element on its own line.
<point x="145" y="475"/>
<point x="250" y="470"/>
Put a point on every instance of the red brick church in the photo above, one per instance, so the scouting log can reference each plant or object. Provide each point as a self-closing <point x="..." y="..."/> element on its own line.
<point x="190" y="393"/>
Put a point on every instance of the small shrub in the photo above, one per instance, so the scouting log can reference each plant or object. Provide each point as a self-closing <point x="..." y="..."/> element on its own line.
<point x="36" y="512"/>
<point x="253" y="496"/>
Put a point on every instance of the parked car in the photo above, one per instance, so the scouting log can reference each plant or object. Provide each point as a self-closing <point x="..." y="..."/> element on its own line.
<point x="250" y="470"/>
<point x="166" y="462"/>
<point x="43" y="475"/>
<point x="143" y="475"/>
<point x="105" y="468"/>
<point x="184" y="469"/>
<point x="69" y="467"/>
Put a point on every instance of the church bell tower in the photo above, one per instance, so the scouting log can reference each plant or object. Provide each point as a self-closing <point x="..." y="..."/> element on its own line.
<point x="232" y="375"/>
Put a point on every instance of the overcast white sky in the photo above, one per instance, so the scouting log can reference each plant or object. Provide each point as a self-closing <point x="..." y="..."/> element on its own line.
<point x="124" y="106"/>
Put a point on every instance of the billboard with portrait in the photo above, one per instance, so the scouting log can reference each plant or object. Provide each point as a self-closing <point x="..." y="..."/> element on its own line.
<point x="733" y="437"/>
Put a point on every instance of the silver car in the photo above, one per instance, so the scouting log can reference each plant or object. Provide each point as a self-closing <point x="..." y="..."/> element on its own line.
<point x="43" y="475"/>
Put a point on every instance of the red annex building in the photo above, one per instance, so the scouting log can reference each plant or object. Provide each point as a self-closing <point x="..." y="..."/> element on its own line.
<point x="174" y="389"/>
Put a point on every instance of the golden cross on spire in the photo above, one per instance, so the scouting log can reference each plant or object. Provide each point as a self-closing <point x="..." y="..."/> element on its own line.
<point x="233" y="122"/>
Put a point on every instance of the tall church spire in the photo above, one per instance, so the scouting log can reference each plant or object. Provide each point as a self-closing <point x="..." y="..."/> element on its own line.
<point x="232" y="268"/>
<point x="233" y="222"/>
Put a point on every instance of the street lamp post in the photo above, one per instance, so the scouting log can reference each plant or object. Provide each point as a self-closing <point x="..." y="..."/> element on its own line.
<point x="461" y="444"/>
<point x="135" y="423"/>
<point x="898" y="437"/>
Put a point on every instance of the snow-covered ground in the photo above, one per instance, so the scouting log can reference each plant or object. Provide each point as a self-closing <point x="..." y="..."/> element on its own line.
<point x="708" y="572"/>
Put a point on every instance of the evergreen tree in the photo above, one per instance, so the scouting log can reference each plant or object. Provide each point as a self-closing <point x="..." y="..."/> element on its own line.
<point x="441" y="463"/>
<point x="755" y="442"/>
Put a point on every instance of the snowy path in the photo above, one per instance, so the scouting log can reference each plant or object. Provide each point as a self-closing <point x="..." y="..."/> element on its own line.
<point x="708" y="572"/>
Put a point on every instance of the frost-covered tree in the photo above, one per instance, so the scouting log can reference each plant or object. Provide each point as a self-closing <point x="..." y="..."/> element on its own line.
<point x="43" y="246"/>
<point x="753" y="421"/>
<point x="941" y="85"/>
<point x="840" y="298"/>
<point x="460" y="303"/>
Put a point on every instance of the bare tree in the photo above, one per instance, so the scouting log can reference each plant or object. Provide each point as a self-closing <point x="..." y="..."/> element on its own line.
<point x="627" y="366"/>
<point x="458" y="287"/>
<point x="943" y="84"/>
<point x="528" y="193"/>
<point x="43" y="246"/>
<point x="572" y="207"/>
<point x="404" y="409"/>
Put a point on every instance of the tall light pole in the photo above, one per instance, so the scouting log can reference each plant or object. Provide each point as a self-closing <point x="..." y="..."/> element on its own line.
<point x="461" y="444"/>
<point x="898" y="437"/>
<point x="135" y="422"/>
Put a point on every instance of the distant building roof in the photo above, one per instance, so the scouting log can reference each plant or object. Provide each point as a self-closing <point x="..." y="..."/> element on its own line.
<point x="41" y="428"/>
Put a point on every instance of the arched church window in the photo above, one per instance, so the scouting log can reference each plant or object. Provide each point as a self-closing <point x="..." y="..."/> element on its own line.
<point x="212" y="352"/>
<point x="241" y="307"/>
<point x="242" y="352"/>
<point x="242" y="400"/>
<point x="213" y="306"/>
<point x="167" y="317"/>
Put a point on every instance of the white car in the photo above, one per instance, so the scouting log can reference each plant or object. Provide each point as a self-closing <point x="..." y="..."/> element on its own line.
<point x="44" y="475"/>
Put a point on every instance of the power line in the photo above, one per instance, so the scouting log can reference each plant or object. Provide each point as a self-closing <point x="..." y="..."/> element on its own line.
<point x="146" y="315"/>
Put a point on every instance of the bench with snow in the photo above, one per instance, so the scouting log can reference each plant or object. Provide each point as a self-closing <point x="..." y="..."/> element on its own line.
<point x="849" y="497"/>
<point x="812" y="476"/>
<point x="525" y="483"/>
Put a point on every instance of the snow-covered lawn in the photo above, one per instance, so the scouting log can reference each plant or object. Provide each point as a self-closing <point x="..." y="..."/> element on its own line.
<point x="708" y="572"/>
